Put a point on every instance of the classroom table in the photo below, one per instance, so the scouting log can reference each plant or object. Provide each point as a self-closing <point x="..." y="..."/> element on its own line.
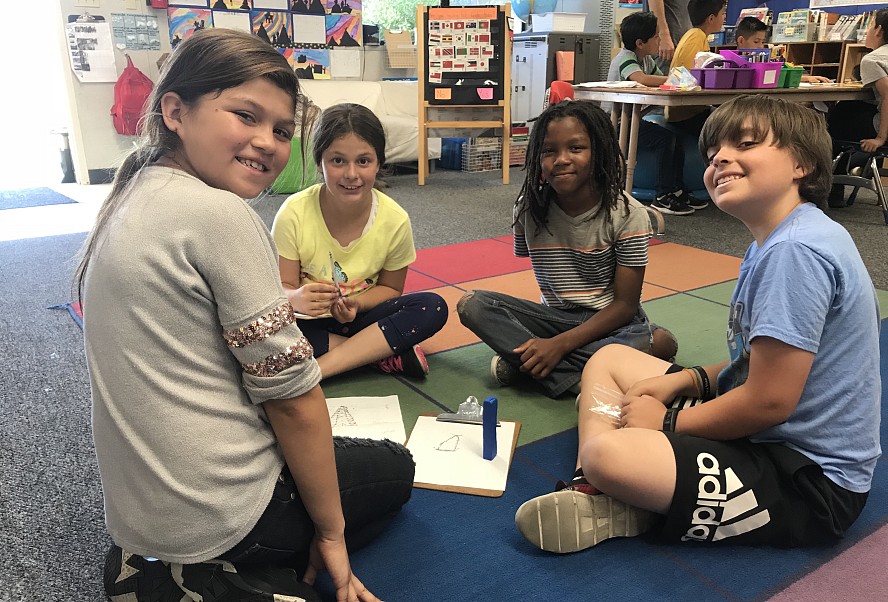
<point x="637" y="97"/>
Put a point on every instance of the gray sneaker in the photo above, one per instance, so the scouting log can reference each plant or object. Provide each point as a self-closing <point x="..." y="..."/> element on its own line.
<point x="502" y="372"/>
<point x="569" y="521"/>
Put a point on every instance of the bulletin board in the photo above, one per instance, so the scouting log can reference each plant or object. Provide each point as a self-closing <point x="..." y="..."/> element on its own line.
<point x="464" y="67"/>
<point x="317" y="37"/>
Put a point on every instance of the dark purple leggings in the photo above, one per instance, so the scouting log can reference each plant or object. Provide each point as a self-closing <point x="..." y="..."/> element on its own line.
<point x="405" y="321"/>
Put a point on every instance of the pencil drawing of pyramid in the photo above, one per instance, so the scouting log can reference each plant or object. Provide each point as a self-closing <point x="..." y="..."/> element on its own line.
<point x="449" y="445"/>
<point x="342" y="417"/>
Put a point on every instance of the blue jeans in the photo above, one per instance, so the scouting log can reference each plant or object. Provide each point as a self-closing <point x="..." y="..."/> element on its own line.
<point x="669" y="153"/>
<point x="375" y="480"/>
<point x="505" y="322"/>
<point x="405" y="321"/>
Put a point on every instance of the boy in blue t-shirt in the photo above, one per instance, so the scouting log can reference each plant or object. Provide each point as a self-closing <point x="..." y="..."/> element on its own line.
<point x="635" y="62"/>
<point x="777" y="445"/>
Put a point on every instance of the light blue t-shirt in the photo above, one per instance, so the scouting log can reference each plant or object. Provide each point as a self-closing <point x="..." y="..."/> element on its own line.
<point x="807" y="287"/>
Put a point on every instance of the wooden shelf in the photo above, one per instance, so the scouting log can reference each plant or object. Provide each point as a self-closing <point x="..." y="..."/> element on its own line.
<point x="835" y="60"/>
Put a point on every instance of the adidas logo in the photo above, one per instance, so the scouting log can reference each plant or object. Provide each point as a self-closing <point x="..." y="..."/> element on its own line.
<point x="719" y="505"/>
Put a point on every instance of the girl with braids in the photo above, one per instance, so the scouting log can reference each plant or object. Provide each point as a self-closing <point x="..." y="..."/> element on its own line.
<point x="220" y="475"/>
<point x="587" y="241"/>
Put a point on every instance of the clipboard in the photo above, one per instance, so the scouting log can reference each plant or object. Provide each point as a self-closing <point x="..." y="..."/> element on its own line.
<point x="469" y="464"/>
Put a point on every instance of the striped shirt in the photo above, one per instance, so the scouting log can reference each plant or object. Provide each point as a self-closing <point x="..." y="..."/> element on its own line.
<point x="576" y="258"/>
<point x="624" y="64"/>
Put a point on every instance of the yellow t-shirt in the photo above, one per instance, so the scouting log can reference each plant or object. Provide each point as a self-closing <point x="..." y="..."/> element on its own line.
<point x="301" y="234"/>
<point x="692" y="42"/>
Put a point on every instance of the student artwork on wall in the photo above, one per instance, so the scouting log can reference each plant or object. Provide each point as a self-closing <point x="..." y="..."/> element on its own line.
<point x="233" y="20"/>
<point x="306" y="24"/>
<point x="135" y="32"/>
<point x="271" y="4"/>
<point x="309" y="29"/>
<point x="308" y="7"/>
<point x="275" y="27"/>
<point x="344" y="30"/>
<point x="193" y="3"/>
<point x="185" y="21"/>
<point x="308" y="63"/>
<point x="232" y="5"/>
<point x="343" y="7"/>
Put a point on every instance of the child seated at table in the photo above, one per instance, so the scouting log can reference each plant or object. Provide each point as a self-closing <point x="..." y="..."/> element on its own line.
<point x="707" y="17"/>
<point x="635" y="62"/>
<point x="752" y="33"/>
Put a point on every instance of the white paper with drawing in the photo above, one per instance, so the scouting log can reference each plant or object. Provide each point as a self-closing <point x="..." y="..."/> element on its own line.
<point x="449" y="453"/>
<point x="370" y="417"/>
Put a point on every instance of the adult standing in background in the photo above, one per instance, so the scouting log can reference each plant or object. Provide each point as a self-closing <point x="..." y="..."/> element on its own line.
<point x="672" y="23"/>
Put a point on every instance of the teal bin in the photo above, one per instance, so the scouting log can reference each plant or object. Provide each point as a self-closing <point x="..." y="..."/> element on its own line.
<point x="294" y="178"/>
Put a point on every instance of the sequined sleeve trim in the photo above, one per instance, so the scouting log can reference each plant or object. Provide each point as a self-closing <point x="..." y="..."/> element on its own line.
<point x="262" y="328"/>
<point x="279" y="362"/>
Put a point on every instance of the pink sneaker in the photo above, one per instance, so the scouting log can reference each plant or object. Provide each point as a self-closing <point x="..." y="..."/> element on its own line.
<point x="411" y="363"/>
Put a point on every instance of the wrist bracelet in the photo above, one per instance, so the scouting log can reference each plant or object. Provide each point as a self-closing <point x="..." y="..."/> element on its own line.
<point x="695" y="378"/>
<point x="669" y="419"/>
<point x="706" y="389"/>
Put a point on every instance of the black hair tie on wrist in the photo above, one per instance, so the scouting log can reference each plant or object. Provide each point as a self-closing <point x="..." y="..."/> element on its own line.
<point x="669" y="419"/>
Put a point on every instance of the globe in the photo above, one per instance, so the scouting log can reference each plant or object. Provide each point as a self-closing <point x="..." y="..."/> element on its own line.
<point x="521" y="8"/>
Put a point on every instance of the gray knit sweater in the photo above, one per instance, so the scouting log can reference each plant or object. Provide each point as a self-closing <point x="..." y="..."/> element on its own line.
<point x="187" y="332"/>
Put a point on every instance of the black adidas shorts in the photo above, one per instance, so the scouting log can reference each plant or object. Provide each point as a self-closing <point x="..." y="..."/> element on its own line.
<point x="739" y="492"/>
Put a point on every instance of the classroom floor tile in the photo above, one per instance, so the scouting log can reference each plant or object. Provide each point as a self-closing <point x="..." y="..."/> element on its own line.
<point x="699" y="326"/>
<point x="468" y="261"/>
<point x="682" y="268"/>
<point x="454" y="334"/>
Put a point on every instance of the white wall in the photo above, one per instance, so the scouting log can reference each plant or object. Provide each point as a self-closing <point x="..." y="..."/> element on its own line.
<point x="95" y="145"/>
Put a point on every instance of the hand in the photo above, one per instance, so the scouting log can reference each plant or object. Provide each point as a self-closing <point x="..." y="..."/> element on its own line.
<point x="662" y="388"/>
<point x="871" y="144"/>
<point x="332" y="555"/>
<point x="539" y="356"/>
<point x="816" y="79"/>
<point x="344" y="309"/>
<point x="667" y="48"/>
<point x="643" y="412"/>
<point x="314" y="298"/>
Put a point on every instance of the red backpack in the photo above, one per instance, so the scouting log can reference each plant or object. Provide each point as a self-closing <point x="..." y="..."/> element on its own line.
<point x="131" y="92"/>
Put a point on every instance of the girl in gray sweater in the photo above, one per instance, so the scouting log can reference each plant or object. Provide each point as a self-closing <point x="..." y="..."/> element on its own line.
<point x="218" y="465"/>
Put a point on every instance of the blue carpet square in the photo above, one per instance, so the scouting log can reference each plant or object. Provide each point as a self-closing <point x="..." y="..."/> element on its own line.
<point x="31" y="197"/>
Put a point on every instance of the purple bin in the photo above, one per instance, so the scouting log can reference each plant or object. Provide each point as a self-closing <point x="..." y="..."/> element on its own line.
<point x="744" y="78"/>
<point x="719" y="78"/>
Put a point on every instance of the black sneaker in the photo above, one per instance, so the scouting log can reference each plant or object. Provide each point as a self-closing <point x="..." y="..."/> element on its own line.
<point x="671" y="205"/>
<point x="836" y="198"/>
<point x="131" y="577"/>
<point x="695" y="203"/>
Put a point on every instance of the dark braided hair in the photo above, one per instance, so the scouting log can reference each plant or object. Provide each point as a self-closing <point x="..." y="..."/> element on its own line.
<point x="608" y="167"/>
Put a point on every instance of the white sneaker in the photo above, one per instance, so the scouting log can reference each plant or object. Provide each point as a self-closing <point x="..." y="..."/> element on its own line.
<point x="569" y="521"/>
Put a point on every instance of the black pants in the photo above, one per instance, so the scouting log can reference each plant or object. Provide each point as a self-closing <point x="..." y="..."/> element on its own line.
<point x="375" y="480"/>
<point x="852" y="121"/>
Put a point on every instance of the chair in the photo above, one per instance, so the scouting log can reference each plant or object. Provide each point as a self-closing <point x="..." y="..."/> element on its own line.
<point x="870" y="175"/>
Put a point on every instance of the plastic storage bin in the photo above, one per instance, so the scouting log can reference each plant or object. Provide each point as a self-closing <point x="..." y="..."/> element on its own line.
<point x="767" y="75"/>
<point x="451" y="153"/>
<point x="799" y="32"/>
<point x="744" y="78"/>
<point x="790" y="77"/>
<point x="563" y="22"/>
<point x="482" y="154"/>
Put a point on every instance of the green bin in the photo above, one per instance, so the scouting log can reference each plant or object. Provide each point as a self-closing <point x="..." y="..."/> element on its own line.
<point x="790" y="77"/>
<point x="294" y="178"/>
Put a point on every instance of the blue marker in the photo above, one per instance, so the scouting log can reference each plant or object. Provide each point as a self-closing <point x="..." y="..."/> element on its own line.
<point x="489" y="427"/>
